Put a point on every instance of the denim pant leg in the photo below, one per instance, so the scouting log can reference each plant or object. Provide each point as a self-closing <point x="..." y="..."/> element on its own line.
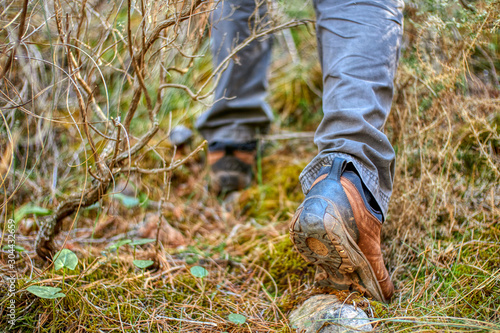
<point x="358" y="44"/>
<point x="239" y="111"/>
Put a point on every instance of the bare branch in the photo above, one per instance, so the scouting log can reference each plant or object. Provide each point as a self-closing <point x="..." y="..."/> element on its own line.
<point x="22" y="23"/>
<point x="172" y="167"/>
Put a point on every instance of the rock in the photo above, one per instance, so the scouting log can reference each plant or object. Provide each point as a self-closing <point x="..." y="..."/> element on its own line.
<point x="180" y="135"/>
<point x="326" y="314"/>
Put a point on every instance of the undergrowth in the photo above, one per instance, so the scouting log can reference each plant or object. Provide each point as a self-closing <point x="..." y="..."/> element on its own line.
<point x="440" y="239"/>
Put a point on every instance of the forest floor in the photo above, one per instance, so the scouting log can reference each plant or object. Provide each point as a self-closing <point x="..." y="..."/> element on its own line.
<point x="440" y="240"/>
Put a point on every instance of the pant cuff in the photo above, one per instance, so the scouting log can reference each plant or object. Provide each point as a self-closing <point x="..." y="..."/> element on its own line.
<point x="236" y="133"/>
<point x="370" y="179"/>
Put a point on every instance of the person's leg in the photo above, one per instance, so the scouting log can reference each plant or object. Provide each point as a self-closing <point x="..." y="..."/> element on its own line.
<point x="239" y="111"/>
<point x="348" y="184"/>
<point x="358" y="42"/>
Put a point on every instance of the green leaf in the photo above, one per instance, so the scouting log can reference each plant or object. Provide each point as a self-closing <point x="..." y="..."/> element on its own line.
<point x="116" y="245"/>
<point x="19" y="248"/>
<point x="13" y="247"/>
<point x="142" y="241"/>
<point x="29" y="209"/>
<point x="143" y="199"/>
<point x="45" y="292"/>
<point x="143" y="263"/>
<point x="237" y="318"/>
<point x="65" y="259"/>
<point x="127" y="201"/>
<point x="199" y="272"/>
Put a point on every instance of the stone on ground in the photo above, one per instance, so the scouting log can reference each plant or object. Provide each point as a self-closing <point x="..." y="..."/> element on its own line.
<point x="326" y="314"/>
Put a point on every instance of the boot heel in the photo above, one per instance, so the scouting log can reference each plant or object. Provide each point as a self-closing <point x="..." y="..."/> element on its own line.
<point x="308" y="234"/>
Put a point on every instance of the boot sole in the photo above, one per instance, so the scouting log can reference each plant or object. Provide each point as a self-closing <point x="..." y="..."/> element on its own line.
<point x="327" y="244"/>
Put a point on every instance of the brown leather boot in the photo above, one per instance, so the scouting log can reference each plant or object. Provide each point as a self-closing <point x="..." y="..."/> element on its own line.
<point x="337" y="229"/>
<point x="231" y="165"/>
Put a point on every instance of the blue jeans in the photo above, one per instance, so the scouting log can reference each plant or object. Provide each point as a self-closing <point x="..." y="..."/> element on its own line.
<point x="358" y="44"/>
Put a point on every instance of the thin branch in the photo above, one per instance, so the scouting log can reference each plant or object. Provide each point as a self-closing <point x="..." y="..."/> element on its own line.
<point x="222" y="66"/>
<point x="158" y="29"/>
<point x="139" y="145"/>
<point x="20" y="36"/>
<point x="100" y="133"/>
<point x="135" y="61"/>
<point x="172" y="167"/>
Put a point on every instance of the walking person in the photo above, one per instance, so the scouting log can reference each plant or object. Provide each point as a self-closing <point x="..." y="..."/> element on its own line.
<point x="348" y="184"/>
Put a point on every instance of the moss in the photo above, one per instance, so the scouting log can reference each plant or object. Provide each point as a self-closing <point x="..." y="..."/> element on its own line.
<point x="379" y="310"/>
<point x="279" y="196"/>
<point x="285" y="265"/>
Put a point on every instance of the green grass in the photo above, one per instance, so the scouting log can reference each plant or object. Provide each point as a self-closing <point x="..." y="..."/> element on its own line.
<point x="440" y="240"/>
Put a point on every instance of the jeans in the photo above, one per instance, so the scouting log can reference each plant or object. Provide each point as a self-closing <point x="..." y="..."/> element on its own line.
<point x="358" y="45"/>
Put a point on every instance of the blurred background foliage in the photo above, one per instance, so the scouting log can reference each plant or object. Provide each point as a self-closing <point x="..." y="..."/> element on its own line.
<point x="441" y="236"/>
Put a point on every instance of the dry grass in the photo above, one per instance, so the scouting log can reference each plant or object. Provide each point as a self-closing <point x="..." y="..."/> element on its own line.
<point x="440" y="239"/>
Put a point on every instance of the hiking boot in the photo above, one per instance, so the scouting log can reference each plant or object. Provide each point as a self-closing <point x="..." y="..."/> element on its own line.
<point x="337" y="228"/>
<point x="231" y="165"/>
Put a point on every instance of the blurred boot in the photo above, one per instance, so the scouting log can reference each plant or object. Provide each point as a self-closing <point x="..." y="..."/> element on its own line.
<point x="231" y="166"/>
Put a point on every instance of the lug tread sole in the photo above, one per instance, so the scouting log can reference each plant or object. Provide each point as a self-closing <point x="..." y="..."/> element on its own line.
<point x="343" y="265"/>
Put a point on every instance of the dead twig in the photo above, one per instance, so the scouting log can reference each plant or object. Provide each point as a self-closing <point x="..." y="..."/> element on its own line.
<point x="22" y="24"/>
